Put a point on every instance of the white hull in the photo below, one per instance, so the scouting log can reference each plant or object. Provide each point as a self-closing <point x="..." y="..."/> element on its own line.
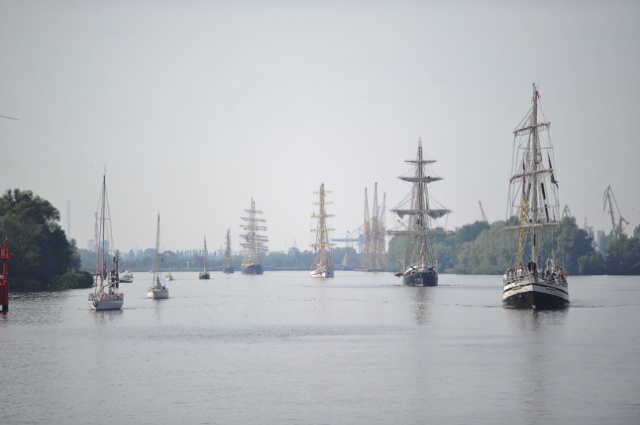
<point x="108" y="304"/>
<point x="156" y="293"/>
<point x="321" y="272"/>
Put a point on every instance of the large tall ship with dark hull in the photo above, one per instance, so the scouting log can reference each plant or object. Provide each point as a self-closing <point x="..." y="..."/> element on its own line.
<point x="534" y="280"/>
<point x="419" y="267"/>
<point x="254" y="243"/>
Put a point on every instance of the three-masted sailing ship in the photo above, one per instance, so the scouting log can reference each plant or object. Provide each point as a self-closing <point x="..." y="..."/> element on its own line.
<point x="105" y="295"/>
<point x="157" y="290"/>
<point x="228" y="259"/>
<point x="420" y="266"/>
<point x="254" y="243"/>
<point x="322" y="255"/>
<point x="534" y="280"/>
<point x="204" y="273"/>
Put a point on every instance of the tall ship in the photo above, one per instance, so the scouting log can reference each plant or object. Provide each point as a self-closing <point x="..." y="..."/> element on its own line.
<point x="419" y="267"/>
<point x="534" y="279"/>
<point x="228" y="259"/>
<point x="254" y="243"/>
<point x="322" y="255"/>
<point x="105" y="294"/>
<point x="374" y="257"/>
<point x="204" y="273"/>
<point x="157" y="290"/>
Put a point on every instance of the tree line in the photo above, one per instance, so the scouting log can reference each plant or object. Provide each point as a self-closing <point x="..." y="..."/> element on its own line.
<point x="43" y="258"/>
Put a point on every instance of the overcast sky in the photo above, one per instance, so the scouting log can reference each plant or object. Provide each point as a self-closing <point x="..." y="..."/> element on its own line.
<point x="194" y="107"/>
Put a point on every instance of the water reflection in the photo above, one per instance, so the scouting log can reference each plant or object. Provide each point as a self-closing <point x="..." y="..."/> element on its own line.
<point x="101" y="317"/>
<point x="35" y="308"/>
<point x="535" y="320"/>
<point x="157" y="309"/>
<point x="539" y="340"/>
<point x="421" y="302"/>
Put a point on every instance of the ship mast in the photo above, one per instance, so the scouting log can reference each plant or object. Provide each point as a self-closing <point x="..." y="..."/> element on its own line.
<point x="419" y="212"/>
<point x="323" y="245"/>
<point x="538" y="205"/>
<point x="534" y="160"/>
<point x="254" y="242"/>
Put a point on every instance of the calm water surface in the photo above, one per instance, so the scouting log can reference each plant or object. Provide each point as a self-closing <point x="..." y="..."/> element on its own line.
<point x="284" y="348"/>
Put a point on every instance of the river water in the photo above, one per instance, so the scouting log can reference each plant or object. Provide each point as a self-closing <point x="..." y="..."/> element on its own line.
<point x="284" y="348"/>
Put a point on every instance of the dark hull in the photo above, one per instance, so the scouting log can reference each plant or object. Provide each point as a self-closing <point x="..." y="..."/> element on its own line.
<point x="203" y="275"/>
<point x="533" y="291"/>
<point x="227" y="270"/>
<point x="252" y="269"/>
<point x="420" y="278"/>
<point x="536" y="300"/>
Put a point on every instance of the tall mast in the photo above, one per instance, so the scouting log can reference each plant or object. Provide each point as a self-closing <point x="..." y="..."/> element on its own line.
<point x="323" y="244"/>
<point x="366" y="230"/>
<point x="156" y="267"/>
<point x="534" y="160"/>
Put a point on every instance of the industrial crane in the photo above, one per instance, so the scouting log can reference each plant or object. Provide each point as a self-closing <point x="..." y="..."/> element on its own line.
<point x="617" y="228"/>
<point x="484" y="216"/>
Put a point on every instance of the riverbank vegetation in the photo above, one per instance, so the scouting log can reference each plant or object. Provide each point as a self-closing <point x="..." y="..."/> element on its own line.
<point x="43" y="258"/>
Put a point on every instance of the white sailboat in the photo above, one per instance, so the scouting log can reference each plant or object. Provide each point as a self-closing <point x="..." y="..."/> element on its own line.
<point x="534" y="280"/>
<point x="322" y="255"/>
<point x="157" y="290"/>
<point x="420" y="267"/>
<point x="204" y="273"/>
<point x="105" y="295"/>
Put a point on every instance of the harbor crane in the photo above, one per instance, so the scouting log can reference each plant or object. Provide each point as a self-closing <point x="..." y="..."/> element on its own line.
<point x="484" y="216"/>
<point x="359" y="238"/>
<point x="617" y="228"/>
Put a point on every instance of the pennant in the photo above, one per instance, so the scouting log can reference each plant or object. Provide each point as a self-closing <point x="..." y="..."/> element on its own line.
<point x="553" y="178"/>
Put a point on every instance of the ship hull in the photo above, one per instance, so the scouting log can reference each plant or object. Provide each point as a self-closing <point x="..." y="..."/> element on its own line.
<point x="425" y="277"/>
<point x="227" y="270"/>
<point x="322" y="272"/>
<point x="252" y="269"/>
<point x="158" y="293"/>
<point x="106" y="304"/>
<point x="534" y="292"/>
<point x="203" y="275"/>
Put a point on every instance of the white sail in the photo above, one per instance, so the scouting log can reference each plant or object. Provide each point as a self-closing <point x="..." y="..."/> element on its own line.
<point x="533" y="281"/>
<point x="157" y="290"/>
<point x="322" y="247"/>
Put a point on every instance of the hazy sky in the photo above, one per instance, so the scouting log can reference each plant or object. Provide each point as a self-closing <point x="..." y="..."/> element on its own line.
<point x="193" y="107"/>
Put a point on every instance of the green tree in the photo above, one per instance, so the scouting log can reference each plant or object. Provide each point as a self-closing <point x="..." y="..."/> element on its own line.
<point x="40" y="250"/>
<point x="573" y="243"/>
<point x="623" y="256"/>
<point x="489" y="253"/>
<point x="591" y="264"/>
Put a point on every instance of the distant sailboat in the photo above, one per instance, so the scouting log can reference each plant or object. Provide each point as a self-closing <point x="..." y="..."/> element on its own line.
<point x="420" y="265"/>
<point x="534" y="280"/>
<point x="204" y="273"/>
<point x="157" y="291"/>
<point x="322" y="256"/>
<point x="254" y="243"/>
<point x="346" y="263"/>
<point x="105" y="295"/>
<point x="126" y="277"/>
<point x="228" y="260"/>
